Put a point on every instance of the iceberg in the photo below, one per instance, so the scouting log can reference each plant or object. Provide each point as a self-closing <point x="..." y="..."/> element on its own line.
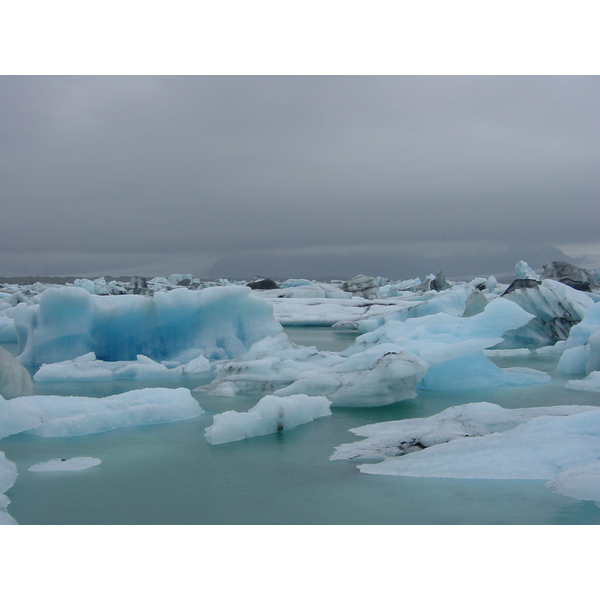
<point x="78" y="463"/>
<point x="8" y="476"/>
<point x="555" y="306"/>
<point x="15" y="380"/>
<point x="581" y="354"/>
<point x="309" y="290"/>
<point x="524" y="271"/>
<point x="452" y="346"/>
<point x="8" y="333"/>
<point x="270" y="415"/>
<point x="88" y="368"/>
<point x="363" y="286"/>
<point x="581" y="483"/>
<point x="590" y="384"/>
<point x="485" y="441"/>
<point x="477" y="419"/>
<point x="381" y="375"/>
<point x="220" y="322"/>
<point x="387" y="365"/>
<point x="62" y="416"/>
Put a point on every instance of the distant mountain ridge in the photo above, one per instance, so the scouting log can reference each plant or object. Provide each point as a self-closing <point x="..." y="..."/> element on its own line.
<point x="336" y="266"/>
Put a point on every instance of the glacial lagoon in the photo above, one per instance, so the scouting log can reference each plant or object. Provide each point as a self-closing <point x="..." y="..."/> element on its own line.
<point x="169" y="474"/>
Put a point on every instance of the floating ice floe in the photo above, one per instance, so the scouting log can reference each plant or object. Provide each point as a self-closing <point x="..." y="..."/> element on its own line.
<point x="310" y="290"/>
<point x="219" y="322"/>
<point x="524" y="271"/>
<point x="15" y="380"/>
<point x="452" y="301"/>
<point x="485" y="441"/>
<point x="581" y="354"/>
<point x="61" y="416"/>
<point x="363" y="286"/>
<point x="590" y="384"/>
<point x="452" y="346"/>
<point x="385" y="366"/>
<point x="88" y="368"/>
<point x="270" y="415"/>
<point x="8" y="333"/>
<point x="555" y="306"/>
<point x="382" y="375"/>
<point x="79" y="463"/>
<point x="8" y="476"/>
<point x="581" y="483"/>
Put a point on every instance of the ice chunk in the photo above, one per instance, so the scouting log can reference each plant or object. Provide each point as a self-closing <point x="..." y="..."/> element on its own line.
<point x="222" y="322"/>
<point x="270" y="415"/>
<point x="311" y="290"/>
<point x="556" y="349"/>
<point x="8" y="476"/>
<point x="556" y="307"/>
<point x="8" y="333"/>
<point x="78" y="463"/>
<point x="396" y="438"/>
<point x="452" y="302"/>
<point x="581" y="354"/>
<point x="62" y="416"/>
<point x="524" y="271"/>
<point x="590" y="384"/>
<point x="363" y="286"/>
<point x="452" y="346"/>
<point x="569" y="274"/>
<point x="476" y="304"/>
<point x="87" y="368"/>
<point x="482" y="441"/>
<point x="582" y="483"/>
<point x="288" y="283"/>
<point x="15" y="380"/>
<point x="381" y="375"/>
<point x="539" y="449"/>
<point x="14" y="420"/>
<point x="512" y="352"/>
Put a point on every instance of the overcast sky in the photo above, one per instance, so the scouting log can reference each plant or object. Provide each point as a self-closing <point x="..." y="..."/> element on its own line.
<point x="108" y="174"/>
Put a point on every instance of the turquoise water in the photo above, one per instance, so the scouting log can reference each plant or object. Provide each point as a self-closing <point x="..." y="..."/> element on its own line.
<point x="169" y="474"/>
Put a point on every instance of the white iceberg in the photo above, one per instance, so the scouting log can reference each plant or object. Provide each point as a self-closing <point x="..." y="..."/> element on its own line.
<point x="381" y="375"/>
<point x="581" y="483"/>
<point x="8" y="333"/>
<point x="482" y="441"/>
<point x="591" y="383"/>
<point x="220" y="322"/>
<point x="8" y="476"/>
<point x="15" y="380"/>
<point x="581" y="354"/>
<point x="269" y="415"/>
<point x="61" y="416"/>
<point x="79" y="463"/>
<point x="452" y="346"/>
<point x="88" y="368"/>
<point x="555" y="306"/>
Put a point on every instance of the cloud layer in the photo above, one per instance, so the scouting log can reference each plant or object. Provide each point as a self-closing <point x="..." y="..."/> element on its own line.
<point x="211" y="166"/>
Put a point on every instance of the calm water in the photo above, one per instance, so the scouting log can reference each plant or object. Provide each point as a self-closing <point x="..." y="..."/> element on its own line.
<point x="169" y="474"/>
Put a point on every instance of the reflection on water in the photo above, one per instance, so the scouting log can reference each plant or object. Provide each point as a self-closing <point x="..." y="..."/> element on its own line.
<point x="170" y="474"/>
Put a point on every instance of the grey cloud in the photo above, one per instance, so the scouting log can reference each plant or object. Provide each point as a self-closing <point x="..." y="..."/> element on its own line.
<point x="218" y="165"/>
